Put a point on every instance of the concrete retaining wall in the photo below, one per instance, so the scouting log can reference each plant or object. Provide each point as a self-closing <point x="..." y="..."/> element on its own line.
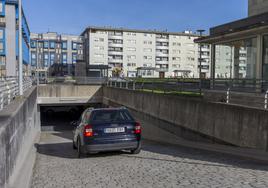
<point x="236" y="125"/>
<point x="19" y="130"/>
<point x="69" y="94"/>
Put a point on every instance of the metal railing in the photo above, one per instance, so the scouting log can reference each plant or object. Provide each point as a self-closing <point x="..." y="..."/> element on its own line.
<point x="9" y="89"/>
<point x="73" y="80"/>
<point x="247" y="92"/>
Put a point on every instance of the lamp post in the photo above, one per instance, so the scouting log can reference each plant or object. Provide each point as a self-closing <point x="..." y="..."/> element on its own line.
<point x="20" y="50"/>
<point x="200" y="31"/>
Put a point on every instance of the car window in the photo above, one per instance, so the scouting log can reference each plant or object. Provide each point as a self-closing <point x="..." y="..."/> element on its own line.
<point x="111" y="116"/>
<point x="86" y="116"/>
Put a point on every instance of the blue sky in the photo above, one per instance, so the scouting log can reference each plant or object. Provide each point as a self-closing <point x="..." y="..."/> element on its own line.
<point x="72" y="16"/>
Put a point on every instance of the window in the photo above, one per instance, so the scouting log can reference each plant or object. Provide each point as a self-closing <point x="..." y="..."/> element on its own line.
<point x="33" y="44"/>
<point x="131" y="49"/>
<point x="33" y="58"/>
<point x="147" y="50"/>
<point x="148" y="57"/>
<point x="74" y="45"/>
<point x="147" y="42"/>
<point x="132" y="41"/>
<point x="99" y="39"/>
<point x="2" y="33"/>
<point x="64" y="58"/>
<point x="64" y="45"/>
<point x="176" y="44"/>
<point x="2" y="7"/>
<point x="46" y="44"/>
<point x="176" y="58"/>
<point x="52" y="58"/>
<point x="2" y="48"/>
<point x="99" y="55"/>
<point x="52" y="44"/>
<point x="131" y="57"/>
<point x="176" y="51"/>
<point x="99" y="47"/>
<point x="74" y="58"/>
<point x="46" y="64"/>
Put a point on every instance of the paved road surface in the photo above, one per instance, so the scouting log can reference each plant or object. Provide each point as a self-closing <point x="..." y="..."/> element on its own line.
<point x="156" y="166"/>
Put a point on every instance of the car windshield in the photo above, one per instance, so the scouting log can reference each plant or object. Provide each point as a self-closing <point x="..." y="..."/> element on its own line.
<point x="111" y="116"/>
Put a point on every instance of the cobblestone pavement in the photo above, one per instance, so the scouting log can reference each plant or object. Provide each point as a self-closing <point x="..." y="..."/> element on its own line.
<point x="156" y="166"/>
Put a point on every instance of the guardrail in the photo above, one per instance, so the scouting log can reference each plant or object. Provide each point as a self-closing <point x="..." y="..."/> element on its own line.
<point x="249" y="92"/>
<point x="9" y="89"/>
<point x="73" y="80"/>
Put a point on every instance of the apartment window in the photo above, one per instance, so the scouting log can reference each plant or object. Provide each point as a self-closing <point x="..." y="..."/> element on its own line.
<point x="131" y="49"/>
<point x="46" y="44"/>
<point x="52" y="44"/>
<point x="33" y="44"/>
<point x="2" y="47"/>
<point x="147" y="42"/>
<point x="176" y="51"/>
<point x="131" y="57"/>
<point x="74" y="45"/>
<point x="64" y="45"/>
<point x="148" y="57"/>
<point x="99" y="39"/>
<point x="147" y="64"/>
<point x="2" y="34"/>
<point x="74" y="58"/>
<point x="64" y="58"/>
<point x="2" y="7"/>
<point x="101" y="32"/>
<point x="40" y="44"/>
<point x="132" y="41"/>
<point x="176" y="44"/>
<point x="176" y="66"/>
<point x="33" y="58"/>
<point x="131" y="64"/>
<point x="99" y="47"/>
<point x="99" y="55"/>
<point x="147" y="50"/>
<point x="52" y="58"/>
<point x="46" y="59"/>
<point x="176" y="58"/>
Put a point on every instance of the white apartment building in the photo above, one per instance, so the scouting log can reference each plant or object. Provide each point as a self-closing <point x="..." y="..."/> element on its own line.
<point x="145" y="53"/>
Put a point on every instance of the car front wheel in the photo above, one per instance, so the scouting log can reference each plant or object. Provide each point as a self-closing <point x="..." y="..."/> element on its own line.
<point x="79" y="149"/>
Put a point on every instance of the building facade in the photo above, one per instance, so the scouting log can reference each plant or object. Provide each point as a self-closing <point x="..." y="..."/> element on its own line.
<point x="54" y="54"/>
<point x="256" y="7"/>
<point x="144" y="53"/>
<point x="239" y="50"/>
<point x="9" y="39"/>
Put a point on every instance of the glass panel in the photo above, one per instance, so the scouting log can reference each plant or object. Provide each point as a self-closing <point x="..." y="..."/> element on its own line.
<point x="236" y="59"/>
<point x="265" y="58"/>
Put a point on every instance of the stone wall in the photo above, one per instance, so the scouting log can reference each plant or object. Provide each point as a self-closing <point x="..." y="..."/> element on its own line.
<point x="19" y="130"/>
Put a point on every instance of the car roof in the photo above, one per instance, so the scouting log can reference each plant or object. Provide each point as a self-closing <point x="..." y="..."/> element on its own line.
<point x="107" y="109"/>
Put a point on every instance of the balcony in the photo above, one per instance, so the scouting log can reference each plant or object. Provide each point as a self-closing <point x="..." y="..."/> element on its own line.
<point x="115" y="53"/>
<point x="162" y="40"/>
<point x="161" y="54"/>
<point x="115" y="60"/>
<point x="116" y="37"/>
<point x="161" y="62"/>
<point x="162" y="47"/>
<point x="115" y="45"/>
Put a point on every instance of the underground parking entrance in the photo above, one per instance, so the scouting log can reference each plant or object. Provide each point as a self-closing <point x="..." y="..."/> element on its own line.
<point x="60" y="117"/>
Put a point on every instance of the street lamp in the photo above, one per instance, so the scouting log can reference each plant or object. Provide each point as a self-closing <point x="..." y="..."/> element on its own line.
<point x="20" y="50"/>
<point x="200" y="31"/>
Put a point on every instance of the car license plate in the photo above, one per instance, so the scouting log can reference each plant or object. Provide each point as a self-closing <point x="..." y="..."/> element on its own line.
<point x="115" y="130"/>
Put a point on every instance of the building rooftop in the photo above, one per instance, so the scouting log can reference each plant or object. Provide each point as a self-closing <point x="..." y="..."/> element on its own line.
<point x="186" y="33"/>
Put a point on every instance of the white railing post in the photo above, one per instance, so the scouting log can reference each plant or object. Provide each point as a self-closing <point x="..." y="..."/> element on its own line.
<point x="120" y="84"/>
<point x="266" y="100"/>
<point x="228" y="96"/>
<point x="8" y="93"/>
<point x="1" y="100"/>
<point x="126" y="85"/>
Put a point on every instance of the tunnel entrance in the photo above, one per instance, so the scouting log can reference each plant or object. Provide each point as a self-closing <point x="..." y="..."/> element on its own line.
<point x="58" y="118"/>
